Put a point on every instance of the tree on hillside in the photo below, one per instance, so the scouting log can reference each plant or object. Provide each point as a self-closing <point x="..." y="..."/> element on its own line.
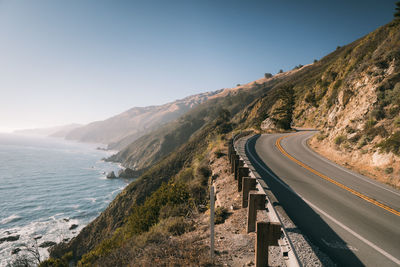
<point x="284" y="113"/>
<point x="397" y="14"/>
<point x="268" y="75"/>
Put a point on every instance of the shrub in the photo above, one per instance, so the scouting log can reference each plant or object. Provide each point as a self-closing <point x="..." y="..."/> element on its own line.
<point x="389" y="170"/>
<point x="391" y="144"/>
<point x="362" y="142"/>
<point x="369" y="124"/>
<point x="310" y="98"/>
<point x="225" y="127"/>
<point x="397" y="122"/>
<point x="219" y="154"/>
<point x="268" y="75"/>
<point x="280" y="71"/>
<point x="374" y="131"/>
<point x="146" y="215"/>
<point x="354" y="139"/>
<point x="350" y="129"/>
<point x="174" y="225"/>
<point x="378" y="113"/>
<point x="339" y="139"/>
<point x="221" y="214"/>
<point x="63" y="262"/>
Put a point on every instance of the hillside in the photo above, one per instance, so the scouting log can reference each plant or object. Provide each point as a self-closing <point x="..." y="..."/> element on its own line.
<point x="351" y="95"/>
<point x="122" y="129"/>
<point x="151" y="147"/>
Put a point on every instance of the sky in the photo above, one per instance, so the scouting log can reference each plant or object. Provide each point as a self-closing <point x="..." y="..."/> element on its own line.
<point x="79" y="61"/>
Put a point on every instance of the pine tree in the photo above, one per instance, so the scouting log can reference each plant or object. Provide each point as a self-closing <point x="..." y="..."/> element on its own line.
<point x="397" y="14"/>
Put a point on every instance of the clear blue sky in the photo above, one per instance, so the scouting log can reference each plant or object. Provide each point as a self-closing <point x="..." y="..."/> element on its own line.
<point x="83" y="60"/>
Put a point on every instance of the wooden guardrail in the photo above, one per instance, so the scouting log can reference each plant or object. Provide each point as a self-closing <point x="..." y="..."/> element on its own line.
<point x="261" y="215"/>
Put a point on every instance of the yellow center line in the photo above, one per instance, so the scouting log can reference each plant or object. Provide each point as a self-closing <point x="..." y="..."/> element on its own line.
<point x="373" y="201"/>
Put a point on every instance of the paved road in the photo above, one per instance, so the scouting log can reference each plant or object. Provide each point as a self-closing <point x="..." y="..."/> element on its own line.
<point x="354" y="220"/>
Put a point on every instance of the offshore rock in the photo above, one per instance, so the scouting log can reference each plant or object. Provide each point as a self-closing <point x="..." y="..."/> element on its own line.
<point x="111" y="175"/>
<point x="9" y="238"/>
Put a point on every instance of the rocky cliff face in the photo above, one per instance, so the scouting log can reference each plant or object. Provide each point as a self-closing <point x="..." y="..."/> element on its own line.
<point x="353" y="97"/>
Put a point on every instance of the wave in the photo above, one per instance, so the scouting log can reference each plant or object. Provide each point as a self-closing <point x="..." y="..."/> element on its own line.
<point x="11" y="218"/>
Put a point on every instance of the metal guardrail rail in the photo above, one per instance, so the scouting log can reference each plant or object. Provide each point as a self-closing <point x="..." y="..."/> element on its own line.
<point x="237" y="157"/>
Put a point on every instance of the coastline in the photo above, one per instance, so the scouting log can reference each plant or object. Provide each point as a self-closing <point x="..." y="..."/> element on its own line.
<point x="63" y="190"/>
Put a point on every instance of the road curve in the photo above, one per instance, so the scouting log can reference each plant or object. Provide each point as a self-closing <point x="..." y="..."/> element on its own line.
<point x="353" y="219"/>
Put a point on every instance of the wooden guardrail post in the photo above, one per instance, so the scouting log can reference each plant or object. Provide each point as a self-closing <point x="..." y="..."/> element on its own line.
<point x="268" y="234"/>
<point x="239" y="163"/>
<point x="242" y="172"/>
<point x="212" y="196"/>
<point x="235" y="159"/>
<point x="230" y="150"/>
<point x="249" y="184"/>
<point x="256" y="202"/>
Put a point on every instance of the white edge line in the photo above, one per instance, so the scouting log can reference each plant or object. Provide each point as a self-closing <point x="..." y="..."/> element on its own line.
<point x="366" y="241"/>
<point x="366" y="179"/>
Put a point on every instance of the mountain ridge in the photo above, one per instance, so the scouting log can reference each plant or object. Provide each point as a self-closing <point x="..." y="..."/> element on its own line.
<point x="124" y="128"/>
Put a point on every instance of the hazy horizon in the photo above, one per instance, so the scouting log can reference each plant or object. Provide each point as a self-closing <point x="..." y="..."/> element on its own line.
<point x="81" y="61"/>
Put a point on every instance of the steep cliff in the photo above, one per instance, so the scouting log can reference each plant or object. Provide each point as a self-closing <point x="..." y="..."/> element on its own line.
<point x="353" y="97"/>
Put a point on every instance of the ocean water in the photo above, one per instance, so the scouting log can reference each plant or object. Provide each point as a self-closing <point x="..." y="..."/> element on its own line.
<point x="46" y="186"/>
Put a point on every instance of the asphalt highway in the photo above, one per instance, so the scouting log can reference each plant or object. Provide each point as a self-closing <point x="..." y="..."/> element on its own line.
<point x="351" y="218"/>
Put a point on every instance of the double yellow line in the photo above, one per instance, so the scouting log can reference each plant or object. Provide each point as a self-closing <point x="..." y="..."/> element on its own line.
<point x="366" y="198"/>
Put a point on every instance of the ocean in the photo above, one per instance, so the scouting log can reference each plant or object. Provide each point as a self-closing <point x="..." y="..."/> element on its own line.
<point x="48" y="185"/>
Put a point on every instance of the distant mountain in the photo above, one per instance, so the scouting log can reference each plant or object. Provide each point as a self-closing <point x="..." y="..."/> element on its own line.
<point x="56" y="131"/>
<point x="123" y="129"/>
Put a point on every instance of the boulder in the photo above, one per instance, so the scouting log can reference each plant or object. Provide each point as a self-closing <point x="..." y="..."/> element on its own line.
<point x="268" y="124"/>
<point x="15" y="251"/>
<point x="111" y="175"/>
<point x="127" y="173"/>
<point x="72" y="227"/>
<point x="10" y="238"/>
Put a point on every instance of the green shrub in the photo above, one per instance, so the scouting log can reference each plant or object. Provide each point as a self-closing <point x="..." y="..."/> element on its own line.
<point x="146" y="215"/>
<point x="219" y="153"/>
<point x="396" y="122"/>
<point x="221" y="214"/>
<point x="354" y="139"/>
<point x="389" y="170"/>
<point x="310" y="98"/>
<point x="339" y="139"/>
<point x="63" y="262"/>
<point x="374" y="131"/>
<point x="350" y="129"/>
<point x="391" y="144"/>
<point x="174" y="210"/>
<point x="174" y="226"/>
<point x="369" y="124"/>
<point x="363" y="142"/>
<point x="378" y="113"/>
